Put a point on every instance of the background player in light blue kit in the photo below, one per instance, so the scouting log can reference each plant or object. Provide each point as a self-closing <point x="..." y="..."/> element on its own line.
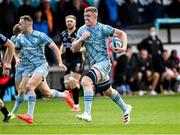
<point x="94" y="36"/>
<point x="32" y="44"/>
<point x="20" y="69"/>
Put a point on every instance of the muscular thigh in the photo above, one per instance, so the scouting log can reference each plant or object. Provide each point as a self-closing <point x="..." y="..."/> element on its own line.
<point x="66" y="77"/>
<point x="23" y="83"/>
<point x="35" y="80"/>
<point x="75" y="75"/>
<point x="102" y="70"/>
<point x="100" y="79"/>
<point x="17" y="83"/>
<point x="44" y="88"/>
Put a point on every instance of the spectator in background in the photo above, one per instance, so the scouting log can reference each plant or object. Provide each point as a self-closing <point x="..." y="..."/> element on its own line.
<point x="26" y="9"/>
<point x="40" y="24"/>
<point x="49" y="15"/>
<point x="174" y="66"/>
<point x="60" y="17"/>
<point x="8" y="17"/>
<point x="174" y="61"/>
<point x="173" y="9"/>
<point x="163" y="67"/>
<point x="131" y="14"/>
<point x="76" y="8"/>
<point x="132" y="67"/>
<point x="146" y="73"/>
<point x="155" y="10"/>
<point x="102" y="8"/>
<point x="152" y="44"/>
<point x="112" y="8"/>
<point x="120" y="73"/>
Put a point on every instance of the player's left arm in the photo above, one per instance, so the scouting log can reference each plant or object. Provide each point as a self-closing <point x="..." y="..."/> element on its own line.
<point x="61" y="48"/>
<point x="123" y="36"/>
<point x="8" y="54"/>
<point x="56" y="51"/>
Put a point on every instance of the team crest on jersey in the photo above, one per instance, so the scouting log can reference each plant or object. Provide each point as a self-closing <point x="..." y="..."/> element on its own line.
<point x="65" y="39"/>
<point x="35" y="40"/>
<point x="72" y="39"/>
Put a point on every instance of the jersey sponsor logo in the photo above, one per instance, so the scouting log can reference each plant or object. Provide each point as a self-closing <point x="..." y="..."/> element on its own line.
<point x="67" y="45"/>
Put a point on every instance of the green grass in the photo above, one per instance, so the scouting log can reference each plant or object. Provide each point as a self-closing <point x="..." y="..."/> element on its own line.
<point x="150" y="115"/>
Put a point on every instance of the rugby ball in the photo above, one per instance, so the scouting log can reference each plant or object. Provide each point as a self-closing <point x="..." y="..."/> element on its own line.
<point x="116" y="43"/>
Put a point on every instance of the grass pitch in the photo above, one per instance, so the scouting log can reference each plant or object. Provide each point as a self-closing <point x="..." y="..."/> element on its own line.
<point x="150" y="115"/>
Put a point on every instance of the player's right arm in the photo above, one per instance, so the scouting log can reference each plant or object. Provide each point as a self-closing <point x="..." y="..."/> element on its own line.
<point x="56" y="51"/>
<point x="8" y="54"/>
<point x="61" y="48"/>
<point x="78" y="42"/>
<point x="123" y="36"/>
<point x="16" y="56"/>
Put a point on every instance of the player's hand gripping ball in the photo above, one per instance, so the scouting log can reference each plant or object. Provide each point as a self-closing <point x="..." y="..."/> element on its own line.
<point x="115" y="43"/>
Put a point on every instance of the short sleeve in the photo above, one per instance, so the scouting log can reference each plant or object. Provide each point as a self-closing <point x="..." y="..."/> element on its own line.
<point x="108" y="30"/>
<point x="3" y="39"/>
<point x="79" y="33"/>
<point x="46" y="39"/>
<point x="13" y="39"/>
<point x="17" y="44"/>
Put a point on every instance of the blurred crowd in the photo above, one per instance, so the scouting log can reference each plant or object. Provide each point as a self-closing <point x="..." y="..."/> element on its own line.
<point x="151" y="70"/>
<point x="48" y="15"/>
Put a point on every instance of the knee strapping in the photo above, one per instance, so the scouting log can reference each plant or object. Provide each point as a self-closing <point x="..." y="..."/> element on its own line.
<point x="72" y="79"/>
<point x="104" y="86"/>
<point x="91" y="74"/>
<point x="66" y="81"/>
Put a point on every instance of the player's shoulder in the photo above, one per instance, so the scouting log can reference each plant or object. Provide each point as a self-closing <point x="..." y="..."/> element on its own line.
<point x="2" y="36"/>
<point x="82" y="28"/>
<point x="101" y="25"/>
<point x="20" y="36"/>
<point x="13" y="38"/>
<point x="63" y="33"/>
<point x="3" y="39"/>
<point x="38" y="33"/>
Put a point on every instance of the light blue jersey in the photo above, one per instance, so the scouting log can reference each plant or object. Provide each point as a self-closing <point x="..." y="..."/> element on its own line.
<point x="32" y="48"/>
<point x="96" y="44"/>
<point x="20" y="68"/>
<point x="14" y="39"/>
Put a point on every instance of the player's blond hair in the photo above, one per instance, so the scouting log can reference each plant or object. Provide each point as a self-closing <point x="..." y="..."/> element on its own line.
<point x="26" y="18"/>
<point x="16" y="29"/>
<point x="92" y="9"/>
<point x="70" y="16"/>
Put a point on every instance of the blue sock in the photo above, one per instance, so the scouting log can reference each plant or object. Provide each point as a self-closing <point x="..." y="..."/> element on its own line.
<point x="31" y="105"/>
<point x="57" y="94"/>
<point x="18" y="102"/>
<point x="88" y="97"/>
<point x="116" y="98"/>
